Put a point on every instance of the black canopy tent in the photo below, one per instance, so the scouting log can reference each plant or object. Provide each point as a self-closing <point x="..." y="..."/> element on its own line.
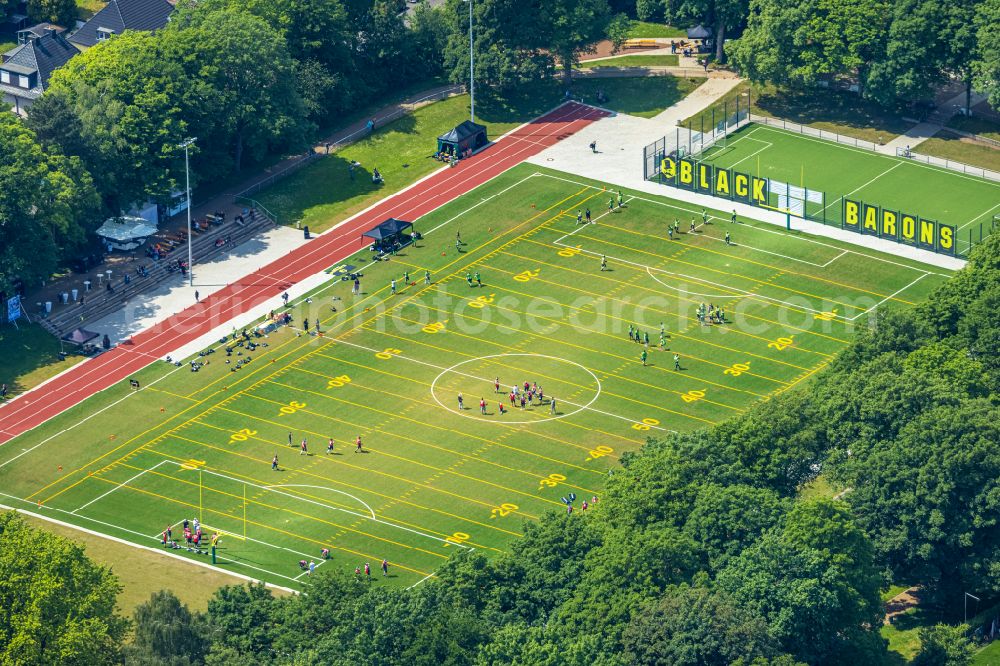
<point x="389" y="235"/>
<point x="468" y="136"/>
<point x="698" y="32"/>
<point x="80" y="336"/>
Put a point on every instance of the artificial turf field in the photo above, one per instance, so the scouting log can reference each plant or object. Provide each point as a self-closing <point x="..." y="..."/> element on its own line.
<point x="845" y="171"/>
<point x="433" y="479"/>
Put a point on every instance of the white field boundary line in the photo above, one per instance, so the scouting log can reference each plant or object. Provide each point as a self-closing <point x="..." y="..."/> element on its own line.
<point x="420" y="581"/>
<point x="870" y="153"/>
<point x="480" y="203"/>
<point x="327" y="506"/>
<point x="892" y="295"/>
<point x="484" y="380"/>
<point x="770" y="231"/>
<point x="861" y="187"/>
<point x="729" y="144"/>
<point x="86" y="418"/>
<point x="981" y="215"/>
<point x="581" y="227"/>
<point x="685" y="291"/>
<point x="164" y="553"/>
<point x="700" y="225"/>
<point x="117" y="487"/>
<point x="741" y="292"/>
<point x="756" y="152"/>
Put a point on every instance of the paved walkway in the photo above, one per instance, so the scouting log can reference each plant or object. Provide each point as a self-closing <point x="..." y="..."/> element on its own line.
<point x="925" y="130"/>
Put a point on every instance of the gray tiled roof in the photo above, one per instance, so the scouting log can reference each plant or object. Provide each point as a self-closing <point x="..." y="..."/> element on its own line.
<point x="121" y="15"/>
<point x="43" y="55"/>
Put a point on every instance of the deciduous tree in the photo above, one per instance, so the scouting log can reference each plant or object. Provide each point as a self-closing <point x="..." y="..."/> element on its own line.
<point x="58" y="606"/>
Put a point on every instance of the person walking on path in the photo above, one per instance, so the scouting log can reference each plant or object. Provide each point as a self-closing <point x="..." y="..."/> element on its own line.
<point x="197" y="296"/>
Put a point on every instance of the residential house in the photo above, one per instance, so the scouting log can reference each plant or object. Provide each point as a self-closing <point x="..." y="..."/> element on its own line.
<point x="26" y="68"/>
<point x="119" y="16"/>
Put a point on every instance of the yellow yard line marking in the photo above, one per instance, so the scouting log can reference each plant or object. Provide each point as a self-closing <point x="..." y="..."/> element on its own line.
<point x="639" y="287"/>
<point x="425" y="384"/>
<point x="534" y="475"/>
<point x="555" y="379"/>
<point x="256" y="524"/>
<point x="403" y="437"/>
<point x="265" y="505"/>
<point x="327" y="479"/>
<point x="750" y="261"/>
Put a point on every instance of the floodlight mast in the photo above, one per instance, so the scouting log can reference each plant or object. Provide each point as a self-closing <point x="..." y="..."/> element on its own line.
<point x="187" y="143"/>
<point x="472" y="83"/>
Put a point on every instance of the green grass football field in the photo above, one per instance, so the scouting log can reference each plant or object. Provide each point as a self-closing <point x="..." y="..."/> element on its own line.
<point x="432" y="478"/>
<point x="845" y="171"/>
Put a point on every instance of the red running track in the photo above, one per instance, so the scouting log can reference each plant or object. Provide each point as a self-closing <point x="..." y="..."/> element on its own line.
<point x="80" y="382"/>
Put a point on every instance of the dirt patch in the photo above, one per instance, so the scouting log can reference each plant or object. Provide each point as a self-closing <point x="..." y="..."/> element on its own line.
<point x="605" y="48"/>
<point x="899" y="604"/>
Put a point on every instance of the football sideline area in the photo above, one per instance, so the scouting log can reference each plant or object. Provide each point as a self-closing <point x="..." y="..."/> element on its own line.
<point x="520" y="297"/>
<point x="841" y="171"/>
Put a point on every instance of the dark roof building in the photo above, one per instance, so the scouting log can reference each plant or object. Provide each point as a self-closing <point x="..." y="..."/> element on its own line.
<point x="39" y="30"/>
<point x="119" y="16"/>
<point x="25" y="69"/>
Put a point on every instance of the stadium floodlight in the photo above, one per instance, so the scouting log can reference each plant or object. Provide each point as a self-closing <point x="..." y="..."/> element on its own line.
<point x="187" y="143"/>
<point x="966" y="599"/>
<point x="472" y="83"/>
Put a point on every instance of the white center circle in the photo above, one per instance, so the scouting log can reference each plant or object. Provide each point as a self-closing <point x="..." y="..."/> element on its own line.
<point x="454" y="369"/>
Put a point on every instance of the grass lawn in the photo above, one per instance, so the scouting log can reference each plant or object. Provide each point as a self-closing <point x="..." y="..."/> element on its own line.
<point x="892" y="591"/>
<point x="6" y="45"/>
<point x="323" y="194"/>
<point x="435" y="474"/>
<point x="861" y="175"/>
<point x="829" y="110"/>
<point x="958" y="149"/>
<point x="903" y="636"/>
<point x="31" y="355"/>
<point x="668" y="60"/>
<point x="87" y="8"/>
<point x="141" y="573"/>
<point x="648" y="30"/>
<point x="988" y="656"/>
<point x="980" y="126"/>
<point x="206" y="191"/>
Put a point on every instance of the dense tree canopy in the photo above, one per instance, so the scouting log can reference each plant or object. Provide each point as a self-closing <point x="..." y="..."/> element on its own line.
<point x="894" y="51"/>
<point x="58" y="606"/>
<point x="47" y="205"/>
